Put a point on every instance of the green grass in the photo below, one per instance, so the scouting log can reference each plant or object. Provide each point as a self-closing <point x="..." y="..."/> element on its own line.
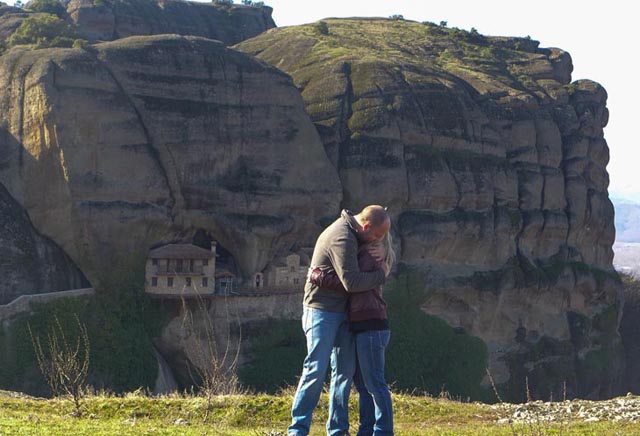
<point x="256" y="415"/>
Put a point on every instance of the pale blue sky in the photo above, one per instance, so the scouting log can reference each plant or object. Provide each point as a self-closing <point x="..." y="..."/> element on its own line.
<point x="599" y="36"/>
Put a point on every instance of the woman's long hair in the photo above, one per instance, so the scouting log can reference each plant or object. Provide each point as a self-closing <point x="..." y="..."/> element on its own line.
<point x="390" y="255"/>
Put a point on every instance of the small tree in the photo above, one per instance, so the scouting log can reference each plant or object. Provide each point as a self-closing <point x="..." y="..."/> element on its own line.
<point x="443" y="24"/>
<point x="322" y="27"/>
<point x="214" y="367"/>
<point x="396" y="17"/>
<point x="43" y="31"/>
<point x="64" y="366"/>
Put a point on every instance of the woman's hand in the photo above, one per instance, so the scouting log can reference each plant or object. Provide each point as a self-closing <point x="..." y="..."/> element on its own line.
<point x="376" y="250"/>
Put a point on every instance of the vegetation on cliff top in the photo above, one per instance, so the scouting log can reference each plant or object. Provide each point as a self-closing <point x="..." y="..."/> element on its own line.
<point x="503" y="64"/>
<point x="43" y="31"/>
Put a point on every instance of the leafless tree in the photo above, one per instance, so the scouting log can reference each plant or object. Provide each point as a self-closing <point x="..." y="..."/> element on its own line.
<point x="212" y="365"/>
<point x="64" y="365"/>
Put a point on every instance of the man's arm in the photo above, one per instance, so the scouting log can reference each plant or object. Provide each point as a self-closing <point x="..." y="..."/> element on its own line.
<point x="343" y="253"/>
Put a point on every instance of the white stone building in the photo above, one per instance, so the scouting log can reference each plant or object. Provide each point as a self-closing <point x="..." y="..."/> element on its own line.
<point x="181" y="270"/>
<point x="289" y="272"/>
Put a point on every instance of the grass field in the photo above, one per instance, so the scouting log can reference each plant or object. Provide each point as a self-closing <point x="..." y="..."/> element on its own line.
<point x="264" y="415"/>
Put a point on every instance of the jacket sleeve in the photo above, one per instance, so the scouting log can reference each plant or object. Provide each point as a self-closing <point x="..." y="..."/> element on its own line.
<point x="343" y="253"/>
<point x="326" y="279"/>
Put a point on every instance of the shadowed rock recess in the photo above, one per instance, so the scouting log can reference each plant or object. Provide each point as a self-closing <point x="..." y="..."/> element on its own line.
<point x="493" y="165"/>
<point x="29" y="263"/>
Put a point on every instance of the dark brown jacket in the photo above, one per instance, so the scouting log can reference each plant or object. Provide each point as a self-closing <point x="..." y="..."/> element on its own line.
<point x="337" y="250"/>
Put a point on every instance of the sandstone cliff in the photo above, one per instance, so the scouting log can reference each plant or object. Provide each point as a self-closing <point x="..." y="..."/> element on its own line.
<point x="113" y="19"/>
<point x="493" y="165"/>
<point x="149" y="139"/>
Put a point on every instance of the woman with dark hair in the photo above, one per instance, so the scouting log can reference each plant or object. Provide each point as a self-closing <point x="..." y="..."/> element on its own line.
<point x="369" y="322"/>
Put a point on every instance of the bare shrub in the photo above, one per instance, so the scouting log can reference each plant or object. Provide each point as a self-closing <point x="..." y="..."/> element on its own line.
<point x="213" y="366"/>
<point x="64" y="365"/>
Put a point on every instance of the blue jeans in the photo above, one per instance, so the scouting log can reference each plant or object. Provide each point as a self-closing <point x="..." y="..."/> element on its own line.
<point x="376" y="412"/>
<point x="328" y="341"/>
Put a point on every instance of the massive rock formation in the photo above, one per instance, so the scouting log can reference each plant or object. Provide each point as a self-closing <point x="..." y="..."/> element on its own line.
<point x="149" y="139"/>
<point x="491" y="161"/>
<point x="493" y="165"/>
<point x="113" y="19"/>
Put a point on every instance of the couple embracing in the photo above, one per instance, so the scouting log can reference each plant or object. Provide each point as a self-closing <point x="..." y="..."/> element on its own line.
<point x="345" y="323"/>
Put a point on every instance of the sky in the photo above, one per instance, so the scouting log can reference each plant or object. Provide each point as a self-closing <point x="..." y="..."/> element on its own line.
<point x="598" y="36"/>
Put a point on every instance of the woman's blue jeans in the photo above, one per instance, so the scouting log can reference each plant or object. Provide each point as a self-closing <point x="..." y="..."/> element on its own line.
<point x="328" y="341"/>
<point x="376" y="412"/>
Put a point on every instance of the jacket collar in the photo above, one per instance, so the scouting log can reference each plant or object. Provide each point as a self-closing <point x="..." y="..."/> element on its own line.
<point x="347" y="215"/>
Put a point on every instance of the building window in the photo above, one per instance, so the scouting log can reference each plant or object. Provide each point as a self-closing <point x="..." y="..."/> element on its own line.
<point x="154" y="281"/>
<point x="191" y="262"/>
<point x="205" y="282"/>
<point x="293" y="269"/>
<point x="154" y="262"/>
<point x="205" y="262"/>
<point x="296" y="281"/>
<point x="169" y="281"/>
<point x="179" y="265"/>
<point x="188" y="280"/>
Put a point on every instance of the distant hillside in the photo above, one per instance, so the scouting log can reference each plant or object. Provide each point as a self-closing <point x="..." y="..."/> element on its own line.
<point x="627" y="220"/>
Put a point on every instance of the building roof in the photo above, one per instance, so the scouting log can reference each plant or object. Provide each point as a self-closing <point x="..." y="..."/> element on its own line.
<point x="180" y="251"/>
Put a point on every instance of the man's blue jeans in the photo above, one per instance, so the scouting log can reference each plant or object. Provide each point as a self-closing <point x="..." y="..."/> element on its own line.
<point x="328" y="341"/>
<point x="376" y="412"/>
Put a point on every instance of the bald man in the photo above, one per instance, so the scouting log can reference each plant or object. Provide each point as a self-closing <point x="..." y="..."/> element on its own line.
<point x="324" y="318"/>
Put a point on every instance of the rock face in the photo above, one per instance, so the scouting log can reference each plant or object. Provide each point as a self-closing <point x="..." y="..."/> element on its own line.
<point x="493" y="165"/>
<point x="30" y="263"/>
<point x="108" y="20"/>
<point x="115" y="19"/>
<point x="10" y="19"/>
<point x="147" y="140"/>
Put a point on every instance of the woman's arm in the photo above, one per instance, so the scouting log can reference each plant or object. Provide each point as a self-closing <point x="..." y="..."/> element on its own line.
<point x="326" y="279"/>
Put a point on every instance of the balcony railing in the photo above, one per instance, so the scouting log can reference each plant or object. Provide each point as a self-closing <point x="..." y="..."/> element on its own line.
<point x="173" y="270"/>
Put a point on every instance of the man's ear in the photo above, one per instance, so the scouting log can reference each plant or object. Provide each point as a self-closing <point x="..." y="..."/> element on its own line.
<point x="366" y="226"/>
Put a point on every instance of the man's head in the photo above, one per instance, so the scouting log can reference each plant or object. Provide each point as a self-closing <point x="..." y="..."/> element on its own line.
<point x="374" y="223"/>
